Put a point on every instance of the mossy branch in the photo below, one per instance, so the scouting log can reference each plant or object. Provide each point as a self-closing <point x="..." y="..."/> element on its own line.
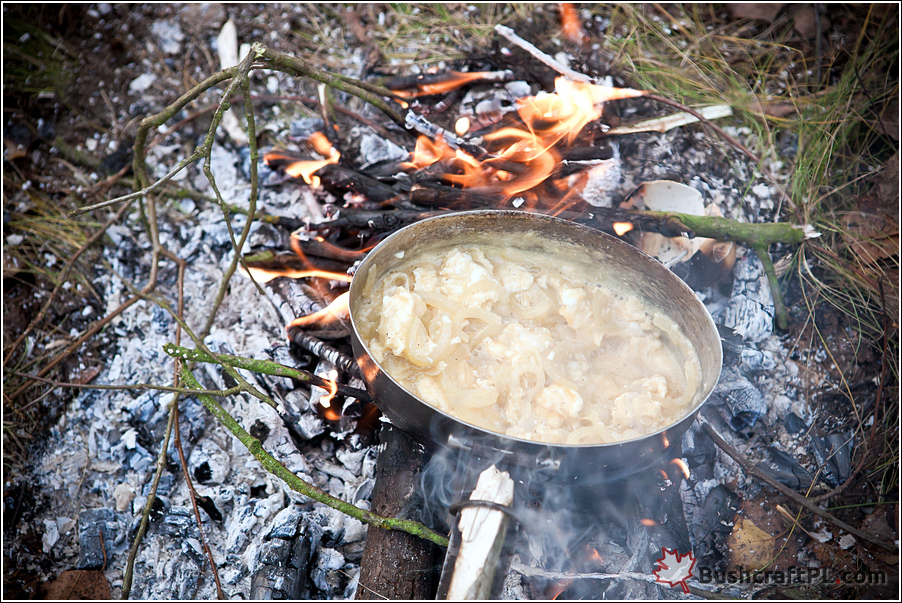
<point x="272" y="465"/>
<point x="266" y="367"/>
<point x="725" y="229"/>
<point x="757" y="236"/>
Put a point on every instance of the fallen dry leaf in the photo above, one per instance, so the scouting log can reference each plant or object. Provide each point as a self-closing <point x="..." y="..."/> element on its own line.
<point x="73" y="585"/>
<point x="805" y="22"/>
<point x="751" y="548"/>
<point x="760" y="538"/>
<point x="871" y="236"/>
<point x="763" y="11"/>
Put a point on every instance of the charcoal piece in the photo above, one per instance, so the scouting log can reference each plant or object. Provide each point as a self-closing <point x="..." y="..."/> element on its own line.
<point x="206" y="503"/>
<point x="743" y="404"/>
<point x="700" y="452"/>
<point x="794" y="424"/>
<point x="325" y="574"/>
<point x="285" y="523"/>
<point x="375" y="149"/>
<point x="193" y="550"/>
<point x="180" y="522"/>
<point x="833" y="456"/>
<point x="209" y="463"/>
<point x="281" y="569"/>
<point x="302" y="129"/>
<point x="747" y="358"/>
<point x="164" y="487"/>
<point x="750" y="311"/>
<point x="263" y="236"/>
<point x="146" y="409"/>
<point x="91" y="524"/>
<point x="786" y="470"/>
<point x="841" y="445"/>
<point x="265" y="175"/>
<point x="713" y="524"/>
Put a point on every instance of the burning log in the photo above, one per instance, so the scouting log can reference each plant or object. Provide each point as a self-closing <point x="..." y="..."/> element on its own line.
<point x="330" y="175"/>
<point x="438" y="195"/>
<point x="374" y="221"/>
<point x="396" y="565"/>
<point x="304" y="245"/>
<point x="439" y="83"/>
<point x="322" y="350"/>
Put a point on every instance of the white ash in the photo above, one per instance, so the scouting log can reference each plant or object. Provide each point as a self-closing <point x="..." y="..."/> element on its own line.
<point x="168" y="35"/>
<point x="103" y="453"/>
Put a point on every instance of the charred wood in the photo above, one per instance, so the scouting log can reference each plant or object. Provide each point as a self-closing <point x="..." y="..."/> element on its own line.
<point x="338" y="179"/>
<point x="437" y="195"/>
<point x="272" y="262"/>
<point x="396" y="565"/>
<point x="374" y="221"/>
<point x="324" y="351"/>
<point x="317" y="246"/>
<point x="418" y="82"/>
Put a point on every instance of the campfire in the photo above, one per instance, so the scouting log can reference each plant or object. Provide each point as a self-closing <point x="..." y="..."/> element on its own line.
<point x="472" y="511"/>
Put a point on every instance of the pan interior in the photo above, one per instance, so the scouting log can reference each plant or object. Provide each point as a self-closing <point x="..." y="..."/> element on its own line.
<point x="598" y="258"/>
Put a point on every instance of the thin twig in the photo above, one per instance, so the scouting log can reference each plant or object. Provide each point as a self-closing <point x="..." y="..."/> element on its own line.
<point x="145" y="516"/>
<point x="223" y="393"/>
<point x="193" y="495"/>
<point x="735" y="143"/>
<point x="509" y="33"/>
<point x="752" y="470"/>
<point x="61" y="279"/>
<point x="295" y="483"/>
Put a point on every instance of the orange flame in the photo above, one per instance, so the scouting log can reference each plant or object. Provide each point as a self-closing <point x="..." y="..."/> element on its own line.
<point x="307" y="169"/>
<point x="427" y="152"/>
<point x="682" y="466"/>
<point x="454" y="80"/>
<point x="264" y="275"/>
<point x="570" y="24"/>
<point x="326" y="401"/>
<point x="334" y="311"/>
<point x="621" y="228"/>
<point x="523" y="157"/>
<point x="554" y="591"/>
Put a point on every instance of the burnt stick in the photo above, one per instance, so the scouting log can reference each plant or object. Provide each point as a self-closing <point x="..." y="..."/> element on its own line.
<point x="322" y="350"/>
<point x="374" y="221"/>
<point x="345" y="179"/>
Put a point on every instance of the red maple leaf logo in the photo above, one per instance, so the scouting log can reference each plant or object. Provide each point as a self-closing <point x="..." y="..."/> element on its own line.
<point x="673" y="568"/>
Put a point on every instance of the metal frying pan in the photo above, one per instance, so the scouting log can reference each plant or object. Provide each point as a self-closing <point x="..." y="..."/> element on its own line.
<point x="616" y="262"/>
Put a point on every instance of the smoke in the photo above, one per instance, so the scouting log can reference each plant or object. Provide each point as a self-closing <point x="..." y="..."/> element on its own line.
<point x="599" y="523"/>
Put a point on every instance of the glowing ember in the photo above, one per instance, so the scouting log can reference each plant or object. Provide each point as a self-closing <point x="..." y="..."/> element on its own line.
<point x="338" y="309"/>
<point x="621" y="228"/>
<point x="462" y="125"/>
<point x="649" y="523"/>
<point x="554" y="591"/>
<point x="263" y="275"/>
<point x="682" y="466"/>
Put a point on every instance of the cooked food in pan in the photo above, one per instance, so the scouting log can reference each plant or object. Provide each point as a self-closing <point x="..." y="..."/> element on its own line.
<point x="509" y="341"/>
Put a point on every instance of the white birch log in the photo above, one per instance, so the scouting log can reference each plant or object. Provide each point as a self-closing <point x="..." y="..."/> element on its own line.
<point x="482" y="536"/>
